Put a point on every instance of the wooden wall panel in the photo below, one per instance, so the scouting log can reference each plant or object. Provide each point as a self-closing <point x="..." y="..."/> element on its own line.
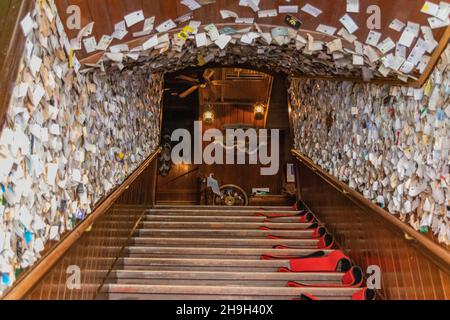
<point x="96" y="251"/>
<point x="233" y="114"/>
<point x="141" y="192"/>
<point x="407" y="273"/>
<point x="12" y="42"/>
<point x="95" y="254"/>
<point x="180" y="186"/>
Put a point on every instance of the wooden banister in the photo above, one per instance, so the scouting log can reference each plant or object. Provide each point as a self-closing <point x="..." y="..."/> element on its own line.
<point x="437" y="253"/>
<point x="37" y="272"/>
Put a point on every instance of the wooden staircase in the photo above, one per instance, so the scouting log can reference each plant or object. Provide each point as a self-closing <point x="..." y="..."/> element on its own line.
<point x="191" y="253"/>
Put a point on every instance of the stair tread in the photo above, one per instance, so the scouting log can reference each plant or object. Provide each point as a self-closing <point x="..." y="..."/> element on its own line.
<point x="205" y="262"/>
<point x="181" y="218"/>
<point x="226" y="232"/>
<point x="253" y="251"/>
<point x="228" y="240"/>
<point x="335" y="276"/>
<point x="234" y="208"/>
<point x="228" y="290"/>
<point x="217" y="225"/>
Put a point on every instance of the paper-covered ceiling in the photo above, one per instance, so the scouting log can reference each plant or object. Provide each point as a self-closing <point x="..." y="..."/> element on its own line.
<point x="369" y="39"/>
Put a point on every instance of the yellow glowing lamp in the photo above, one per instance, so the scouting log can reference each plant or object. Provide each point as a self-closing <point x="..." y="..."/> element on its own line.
<point x="260" y="111"/>
<point x="208" y="116"/>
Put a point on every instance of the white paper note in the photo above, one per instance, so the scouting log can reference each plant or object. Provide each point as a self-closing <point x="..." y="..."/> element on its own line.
<point x="430" y="8"/>
<point x="311" y="10"/>
<point x="349" y="23"/>
<point x="288" y="9"/>
<point x="27" y="24"/>
<point x="253" y="4"/>
<point x="38" y="94"/>
<point x="267" y="13"/>
<point x="104" y="43"/>
<point x="191" y="4"/>
<point x="52" y="170"/>
<point x="397" y="25"/>
<point x="244" y="20"/>
<point x="353" y="6"/>
<point x="226" y="14"/>
<point x="409" y="34"/>
<point x="373" y="38"/>
<point x="166" y="26"/>
<point x="212" y="31"/>
<point x="201" y="39"/>
<point x="150" y="43"/>
<point x="35" y="65"/>
<point x="222" y="41"/>
<point x="386" y="46"/>
<point x="134" y="18"/>
<point x="90" y="44"/>
<point x="326" y="29"/>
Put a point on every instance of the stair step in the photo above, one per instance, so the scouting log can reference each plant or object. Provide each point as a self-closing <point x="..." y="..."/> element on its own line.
<point x="223" y="208"/>
<point x="213" y="253"/>
<point x="230" y="242"/>
<point x="239" y="279"/>
<point x="195" y="264"/>
<point x="175" y="233"/>
<point x="169" y="292"/>
<point x="224" y="225"/>
<point x="258" y="219"/>
<point x="334" y="277"/>
<point x="201" y="213"/>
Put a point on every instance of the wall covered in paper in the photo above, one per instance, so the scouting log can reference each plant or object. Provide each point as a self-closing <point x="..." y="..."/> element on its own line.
<point x="389" y="143"/>
<point x="69" y="139"/>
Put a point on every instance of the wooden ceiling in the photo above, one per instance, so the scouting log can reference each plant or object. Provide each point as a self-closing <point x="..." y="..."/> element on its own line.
<point x="106" y="13"/>
<point x="239" y="85"/>
<point x="233" y="102"/>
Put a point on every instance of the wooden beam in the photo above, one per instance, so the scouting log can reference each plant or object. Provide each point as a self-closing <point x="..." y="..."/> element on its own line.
<point x="40" y="269"/>
<point x="434" y="59"/>
<point x="437" y="253"/>
<point x="269" y="98"/>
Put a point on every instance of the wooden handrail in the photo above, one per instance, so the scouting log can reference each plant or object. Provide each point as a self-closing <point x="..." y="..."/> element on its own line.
<point x="38" y="271"/>
<point x="431" y="249"/>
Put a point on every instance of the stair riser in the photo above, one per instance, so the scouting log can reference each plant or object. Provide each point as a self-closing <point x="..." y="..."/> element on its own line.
<point x="243" y="208"/>
<point x="216" y="226"/>
<point x="190" y="256"/>
<point x="224" y="243"/>
<point x="215" y="213"/>
<point x="197" y="297"/>
<point x="230" y="276"/>
<point x="216" y="219"/>
<point x="198" y="269"/>
<point x="213" y="253"/>
<point x="175" y="233"/>
<point x="241" y="283"/>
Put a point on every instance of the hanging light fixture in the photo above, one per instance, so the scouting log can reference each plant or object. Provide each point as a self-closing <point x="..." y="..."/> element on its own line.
<point x="208" y="115"/>
<point x="259" y="111"/>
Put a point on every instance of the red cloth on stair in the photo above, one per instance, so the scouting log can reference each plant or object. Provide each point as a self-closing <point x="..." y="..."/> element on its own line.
<point x="361" y="295"/>
<point x="353" y="278"/>
<point x="335" y="261"/>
